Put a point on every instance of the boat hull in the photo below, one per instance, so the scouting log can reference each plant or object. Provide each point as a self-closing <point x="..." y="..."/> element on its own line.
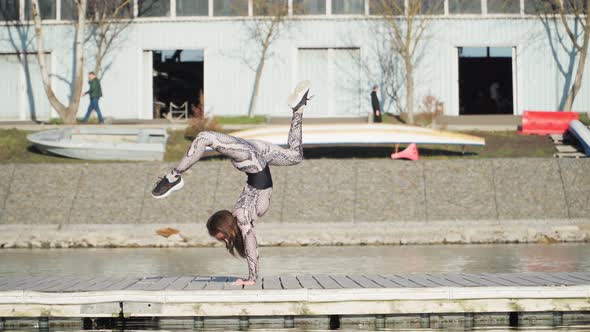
<point x="103" y="143"/>
<point x="361" y="134"/>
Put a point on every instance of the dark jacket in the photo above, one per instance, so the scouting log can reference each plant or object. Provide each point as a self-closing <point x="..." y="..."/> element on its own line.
<point x="375" y="102"/>
<point x="95" y="91"/>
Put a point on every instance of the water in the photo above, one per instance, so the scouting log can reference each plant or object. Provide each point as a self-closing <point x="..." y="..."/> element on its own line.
<point x="296" y="260"/>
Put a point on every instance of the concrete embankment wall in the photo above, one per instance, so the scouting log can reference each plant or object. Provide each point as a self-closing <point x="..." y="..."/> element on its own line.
<point x="316" y="202"/>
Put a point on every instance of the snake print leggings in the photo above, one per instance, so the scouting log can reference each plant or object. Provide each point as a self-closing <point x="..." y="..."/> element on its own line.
<point x="249" y="156"/>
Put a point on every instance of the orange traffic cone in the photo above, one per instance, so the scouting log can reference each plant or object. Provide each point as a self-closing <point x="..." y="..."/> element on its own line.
<point x="411" y="153"/>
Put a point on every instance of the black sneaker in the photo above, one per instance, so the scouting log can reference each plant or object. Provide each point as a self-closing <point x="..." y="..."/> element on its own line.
<point x="165" y="187"/>
<point x="299" y="98"/>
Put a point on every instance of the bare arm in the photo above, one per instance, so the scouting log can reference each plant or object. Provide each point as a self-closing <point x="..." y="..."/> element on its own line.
<point x="250" y="244"/>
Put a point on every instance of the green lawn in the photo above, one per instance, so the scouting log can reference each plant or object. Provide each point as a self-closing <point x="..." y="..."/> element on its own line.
<point x="14" y="148"/>
<point x="585" y="119"/>
<point x="225" y="120"/>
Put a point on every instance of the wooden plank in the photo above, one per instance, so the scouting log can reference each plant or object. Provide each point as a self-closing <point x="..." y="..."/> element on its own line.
<point x="345" y="281"/>
<point x="383" y="282"/>
<point x="459" y="280"/>
<point x="440" y="280"/>
<point x="123" y="284"/>
<point x="161" y="284"/>
<point x="45" y="283"/>
<point x="107" y="282"/>
<point x="257" y="285"/>
<point x="62" y="285"/>
<point x="364" y="281"/>
<point x="5" y="280"/>
<point x="566" y="148"/>
<point x="421" y="280"/>
<point x="81" y="284"/>
<point x="272" y="282"/>
<point x="180" y="283"/>
<point x="290" y="282"/>
<point x="481" y="282"/>
<point x="496" y="279"/>
<point x="581" y="275"/>
<point x="565" y="276"/>
<point x="553" y="279"/>
<point x="569" y="155"/>
<point x="308" y="282"/>
<point x="216" y="283"/>
<point x="145" y="282"/>
<point x="229" y="284"/>
<point x="83" y="287"/>
<point x="405" y="282"/>
<point x="198" y="283"/>
<point x="17" y="283"/>
<point x="518" y="279"/>
<point x="326" y="282"/>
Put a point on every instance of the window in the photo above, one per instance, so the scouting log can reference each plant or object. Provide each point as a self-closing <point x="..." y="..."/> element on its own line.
<point x="387" y="7"/>
<point x="348" y="6"/>
<point x="504" y="6"/>
<point x="230" y="7"/>
<point x="270" y="7"/>
<point x="69" y="11"/>
<point x="9" y="10"/>
<point x="575" y="6"/>
<point x="541" y="6"/>
<point x="153" y="8"/>
<point x="464" y="7"/>
<point x="46" y="7"/>
<point x="433" y="7"/>
<point x="309" y="7"/>
<point x="192" y="7"/>
<point x="109" y="9"/>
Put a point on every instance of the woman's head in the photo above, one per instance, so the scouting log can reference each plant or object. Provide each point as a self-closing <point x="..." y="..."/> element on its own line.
<point x="223" y="226"/>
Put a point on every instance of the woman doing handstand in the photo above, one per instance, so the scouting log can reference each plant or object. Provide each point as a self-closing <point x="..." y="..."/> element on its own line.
<point x="253" y="157"/>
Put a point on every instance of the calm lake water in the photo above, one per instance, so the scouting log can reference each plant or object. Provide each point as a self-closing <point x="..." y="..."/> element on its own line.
<point x="297" y="260"/>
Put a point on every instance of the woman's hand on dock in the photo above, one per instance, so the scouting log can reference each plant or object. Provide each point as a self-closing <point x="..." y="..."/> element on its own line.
<point x="240" y="282"/>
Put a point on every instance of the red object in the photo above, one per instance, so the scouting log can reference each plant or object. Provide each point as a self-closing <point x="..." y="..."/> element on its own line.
<point x="411" y="153"/>
<point x="545" y="123"/>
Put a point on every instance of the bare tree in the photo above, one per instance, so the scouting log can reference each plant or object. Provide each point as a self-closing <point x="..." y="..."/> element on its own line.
<point x="573" y="16"/>
<point x="66" y="112"/>
<point x="108" y="19"/>
<point x="407" y="22"/>
<point x="263" y="30"/>
<point x="579" y="8"/>
<point x="383" y="69"/>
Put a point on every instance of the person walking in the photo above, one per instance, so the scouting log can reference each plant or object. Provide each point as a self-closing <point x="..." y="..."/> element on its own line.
<point x="376" y="105"/>
<point x="95" y="92"/>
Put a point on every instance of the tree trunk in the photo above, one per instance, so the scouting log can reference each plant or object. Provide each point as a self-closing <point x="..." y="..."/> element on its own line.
<point x="66" y="113"/>
<point x="409" y="88"/>
<point x="60" y="108"/>
<point x="569" y="102"/>
<point x="259" y="69"/>
<point x="79" y="65"/>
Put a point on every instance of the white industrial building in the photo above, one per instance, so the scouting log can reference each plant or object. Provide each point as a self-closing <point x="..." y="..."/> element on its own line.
<point x="473" y="51"/>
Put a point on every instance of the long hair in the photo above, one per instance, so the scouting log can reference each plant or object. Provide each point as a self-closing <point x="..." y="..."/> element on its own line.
<point x="224" y="222"/>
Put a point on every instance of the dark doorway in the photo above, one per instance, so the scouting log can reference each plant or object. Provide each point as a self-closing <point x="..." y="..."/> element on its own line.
<point x="178" y="80"/>
<point x="485" y="80"/>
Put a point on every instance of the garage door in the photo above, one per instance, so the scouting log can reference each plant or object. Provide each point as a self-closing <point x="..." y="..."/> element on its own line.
<point x="335" y="77"/>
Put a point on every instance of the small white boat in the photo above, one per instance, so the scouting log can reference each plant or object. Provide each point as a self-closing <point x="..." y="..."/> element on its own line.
<point x="361" y="134"/>
<point x="97" y="143"/>
<point x="582" y="134"/>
